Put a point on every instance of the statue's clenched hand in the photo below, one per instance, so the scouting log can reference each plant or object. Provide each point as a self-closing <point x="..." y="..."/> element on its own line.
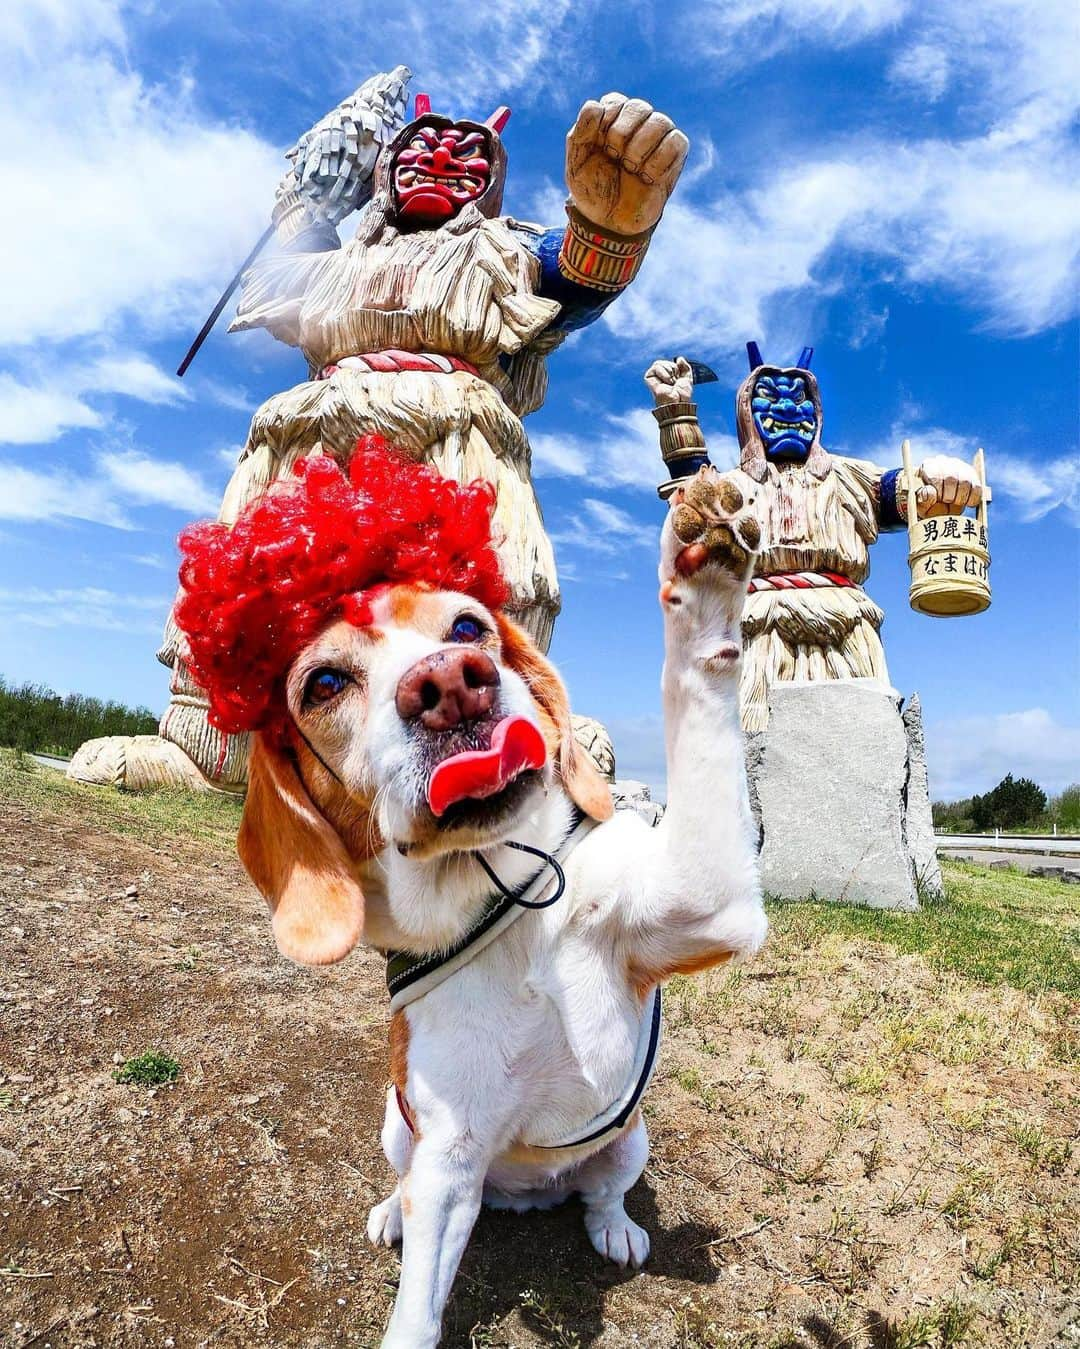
<point x="670" y="381"/>
<point x="622" y="160"/>
<point x="945" y="485"/>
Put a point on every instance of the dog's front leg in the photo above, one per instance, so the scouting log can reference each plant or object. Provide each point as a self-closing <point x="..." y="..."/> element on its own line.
<point x="697" y="899"/>
<point x="440" y="1198"/>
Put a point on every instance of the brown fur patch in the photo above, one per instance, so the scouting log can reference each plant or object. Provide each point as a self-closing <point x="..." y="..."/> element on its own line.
<point x="643" y="980"/>
<point x="399" y="1050"/>
<point x="297" y="861"/>
<point x="579" y="775"/>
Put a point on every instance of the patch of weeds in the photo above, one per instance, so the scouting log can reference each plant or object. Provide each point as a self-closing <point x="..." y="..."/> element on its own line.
<point x="869" y="1080"/>
<point x="189" y="959"/>
<point x="7" y="1099"/>
<point x="946" y="1327"/>
<point x="1012" y="1243"/>
<point x="152" y="1069"/>
<point x="969" y="1199"/>
<point x="845" y="1254"/>
<point x="538" y="1309"/>
<point x="692" y="1081"/>
<point x="1043" y="1152"/>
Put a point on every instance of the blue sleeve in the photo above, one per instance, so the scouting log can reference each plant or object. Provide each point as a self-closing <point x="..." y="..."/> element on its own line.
<point x="580" y="304"/>
<point x="889" y="517"/>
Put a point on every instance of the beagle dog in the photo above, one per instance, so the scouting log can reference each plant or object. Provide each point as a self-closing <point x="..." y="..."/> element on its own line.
<point x="426" y="796"/>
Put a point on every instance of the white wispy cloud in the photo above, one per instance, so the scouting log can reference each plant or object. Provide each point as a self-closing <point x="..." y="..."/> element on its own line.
<point x="603" y="529"/>
<point x="83" y="607"/>
<point x="623" y="451"/>
<point x="989" y="216"/>
<point x="37" y="406"/>
<point x="124" y="199"/>
<point x="140" y="479"/>
<point x="972" y="754"/>
<point x="121" y="479"/>
<point x="922" y="68"/>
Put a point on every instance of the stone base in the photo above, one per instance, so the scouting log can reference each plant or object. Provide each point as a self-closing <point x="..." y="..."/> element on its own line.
<point x="838" y="788"/>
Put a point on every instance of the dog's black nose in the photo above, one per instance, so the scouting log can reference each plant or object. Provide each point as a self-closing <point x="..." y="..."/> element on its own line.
<point x="447" y="688"/>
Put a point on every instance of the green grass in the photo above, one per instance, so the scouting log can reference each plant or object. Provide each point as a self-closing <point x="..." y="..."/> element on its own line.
<point x="996" y="926"/>
<point x="211" y="817"/>
<point x="151" y="1069"/>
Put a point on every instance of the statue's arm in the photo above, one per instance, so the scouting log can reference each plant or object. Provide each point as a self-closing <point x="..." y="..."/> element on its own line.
<point x="944" y="484"/>
<point x="297" y="229"/>
<point x="682" y="442"/>
<point x="623" y="158"/>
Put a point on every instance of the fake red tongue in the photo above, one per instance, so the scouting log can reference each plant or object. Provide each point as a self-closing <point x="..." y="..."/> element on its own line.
<point x="516" y="745"/>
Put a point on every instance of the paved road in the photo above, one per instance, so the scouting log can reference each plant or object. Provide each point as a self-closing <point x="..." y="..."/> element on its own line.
<point x="51" y="761"/>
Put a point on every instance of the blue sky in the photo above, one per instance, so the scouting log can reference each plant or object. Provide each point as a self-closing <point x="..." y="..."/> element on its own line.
<point x="894" y="182"/>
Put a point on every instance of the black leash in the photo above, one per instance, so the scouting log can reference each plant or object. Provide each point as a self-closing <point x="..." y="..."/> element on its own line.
<point x="560" y="876"/>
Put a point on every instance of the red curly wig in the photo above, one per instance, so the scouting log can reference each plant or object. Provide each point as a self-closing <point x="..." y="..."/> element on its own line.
<point x="255" y="593"/>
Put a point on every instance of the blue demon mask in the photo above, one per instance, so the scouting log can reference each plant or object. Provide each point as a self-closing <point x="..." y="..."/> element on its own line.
<point x="785" y="417"/>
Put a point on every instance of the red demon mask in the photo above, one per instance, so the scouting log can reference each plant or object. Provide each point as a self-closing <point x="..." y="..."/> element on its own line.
<point x="437" y="166"/>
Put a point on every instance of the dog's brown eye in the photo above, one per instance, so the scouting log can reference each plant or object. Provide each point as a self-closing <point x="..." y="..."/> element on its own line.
<point x="467" y="629"/>
<point x="324" y="685"/>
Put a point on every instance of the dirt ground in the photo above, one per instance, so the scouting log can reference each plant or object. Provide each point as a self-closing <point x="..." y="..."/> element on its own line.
<point x="849" y="1148"/>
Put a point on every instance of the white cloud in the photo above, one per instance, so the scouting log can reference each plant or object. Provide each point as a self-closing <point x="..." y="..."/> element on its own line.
<point x="36" y="407"/>
<point x="33" y="495"/>
<point x="124" y="201"/>
<point x="990" y="216"/>
<point x="33" y="414"/>
<point x="600" y="527"/>
<point x="83" y="607"/>
<point x="123" y="478"/>
<point x="775" y="25"/>
<point x="624" y="451"/>
<point x="973" y="754"/>
<point x="923" y="68"/>
<point x="155" y="482"/>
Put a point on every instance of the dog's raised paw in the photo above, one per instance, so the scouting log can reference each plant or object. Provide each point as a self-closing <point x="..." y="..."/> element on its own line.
<point x="618" y="1238"/>
<point x="713" y="522"/>
<point x="384" y="1222"/>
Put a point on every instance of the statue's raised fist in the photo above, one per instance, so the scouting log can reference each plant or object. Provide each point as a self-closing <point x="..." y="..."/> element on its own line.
<point x="622" y="160"/>
<point x="670" y="381"/>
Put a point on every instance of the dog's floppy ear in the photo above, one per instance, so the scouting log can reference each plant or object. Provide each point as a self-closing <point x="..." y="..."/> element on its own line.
<point x="297" y="861"/>
<point x="578" y="773"/>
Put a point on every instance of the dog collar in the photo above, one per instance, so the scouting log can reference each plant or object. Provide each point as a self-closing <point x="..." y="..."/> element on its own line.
<point x="409" y="976"/>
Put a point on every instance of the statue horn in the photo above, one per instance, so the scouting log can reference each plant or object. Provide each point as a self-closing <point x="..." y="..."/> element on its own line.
<point x="498" y="119"/>
<point x="753" y="353"/>
<point x="805" y="357"/>
<point x="423" y="105"/>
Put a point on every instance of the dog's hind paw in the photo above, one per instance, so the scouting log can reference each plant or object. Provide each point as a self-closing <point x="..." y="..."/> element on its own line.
<point x="712" y="521"/>
<point x="616" y="1237"/>
<point x="384" y="1221"/>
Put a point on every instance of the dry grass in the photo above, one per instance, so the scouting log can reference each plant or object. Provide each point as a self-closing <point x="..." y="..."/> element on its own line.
<point x="863" y="1140"/>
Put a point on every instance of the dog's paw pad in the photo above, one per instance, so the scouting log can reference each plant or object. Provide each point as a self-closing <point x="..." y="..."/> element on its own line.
<point x="714" y="520"/>
<point x="384" y="1222"/>
<point x="618" y="1239"/>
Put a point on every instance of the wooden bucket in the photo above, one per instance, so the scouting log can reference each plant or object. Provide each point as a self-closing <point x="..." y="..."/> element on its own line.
<point x="948" y="555"/>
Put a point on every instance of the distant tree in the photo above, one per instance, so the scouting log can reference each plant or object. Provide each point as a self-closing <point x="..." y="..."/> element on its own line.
<point x="1012" y="803"/>
<point x="34" y="717"/>
<point x="1065" y="809"/>
<point x="953" y="816"/>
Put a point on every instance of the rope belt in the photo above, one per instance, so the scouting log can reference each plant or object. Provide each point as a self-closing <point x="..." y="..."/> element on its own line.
<point x="410" y="976"/>
<point x="392" y="360"/>
<point x="799" y="580"/>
